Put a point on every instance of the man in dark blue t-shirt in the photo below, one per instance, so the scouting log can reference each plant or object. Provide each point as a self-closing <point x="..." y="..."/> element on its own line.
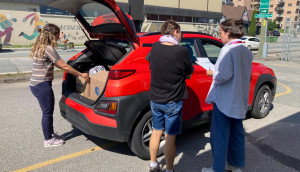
<point x="170" y="66"/>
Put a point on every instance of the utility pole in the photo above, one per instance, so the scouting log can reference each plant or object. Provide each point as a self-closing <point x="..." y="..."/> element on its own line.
<point x="297" y="24"/>
<point x="263" y="46"/>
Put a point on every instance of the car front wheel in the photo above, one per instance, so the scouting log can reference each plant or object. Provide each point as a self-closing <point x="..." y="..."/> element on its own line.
<point x="262" y="103"/>
<point x="139" y="143"/>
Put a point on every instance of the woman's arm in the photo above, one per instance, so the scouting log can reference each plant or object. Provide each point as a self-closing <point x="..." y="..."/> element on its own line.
<point x="64" y="66"/>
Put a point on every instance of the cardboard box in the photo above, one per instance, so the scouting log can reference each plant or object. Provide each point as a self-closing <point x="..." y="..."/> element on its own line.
<point x="82" y="86"/>
<point x="97" y="84"/>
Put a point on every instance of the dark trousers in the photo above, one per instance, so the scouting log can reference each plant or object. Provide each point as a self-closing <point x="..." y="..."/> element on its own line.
<point x="227" y="139"/>
<point x="45" y="96"/>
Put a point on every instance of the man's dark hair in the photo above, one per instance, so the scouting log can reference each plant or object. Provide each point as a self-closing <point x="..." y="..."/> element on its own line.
<point x="235" y="27"/>
<point x="168" y="27"/>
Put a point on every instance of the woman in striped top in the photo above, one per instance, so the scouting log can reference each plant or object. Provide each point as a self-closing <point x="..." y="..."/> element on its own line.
<point x="45" y="58"/>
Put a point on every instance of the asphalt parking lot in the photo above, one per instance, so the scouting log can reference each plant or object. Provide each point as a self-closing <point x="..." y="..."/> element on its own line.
<point x="272" y="143"/>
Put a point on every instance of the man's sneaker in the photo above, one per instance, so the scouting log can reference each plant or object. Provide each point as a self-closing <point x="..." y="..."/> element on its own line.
<point x="53" y="142"/>
<point x="155" y="169"/>
<point x="207" y="170"/>
<point x="233" y="169"/>
<point x="59" y="137"/>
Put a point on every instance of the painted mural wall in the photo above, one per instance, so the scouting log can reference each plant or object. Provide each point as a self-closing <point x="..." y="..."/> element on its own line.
<point x="19" y="24"/>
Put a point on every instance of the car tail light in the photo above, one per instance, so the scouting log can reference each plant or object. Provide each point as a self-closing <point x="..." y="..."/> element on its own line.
<point x="119" y="74"/>
<point x="107" y="106"/>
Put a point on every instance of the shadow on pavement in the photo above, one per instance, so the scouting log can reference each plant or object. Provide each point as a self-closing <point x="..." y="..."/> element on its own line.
<point x="6" y="51"/>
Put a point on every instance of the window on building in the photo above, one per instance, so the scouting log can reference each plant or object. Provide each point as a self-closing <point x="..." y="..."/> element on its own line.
<point x="290" y="4"/>
<point x="152" y="16"/>
<point x="271" y="6"/>
<point x="213" y="21"/>
<point x="164" y="17"/>
<point x="53" y="11"/>
<point x="188" y="19"/>
<point x="177" y="18"/>
<point x="288" y="12"/>
<point x="202" y="20"/>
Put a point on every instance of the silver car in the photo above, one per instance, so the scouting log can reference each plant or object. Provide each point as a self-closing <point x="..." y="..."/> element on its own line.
<point x="250" y="42"/>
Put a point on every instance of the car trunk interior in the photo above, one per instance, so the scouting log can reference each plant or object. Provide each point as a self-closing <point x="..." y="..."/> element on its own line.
<point x="103" y="53"/>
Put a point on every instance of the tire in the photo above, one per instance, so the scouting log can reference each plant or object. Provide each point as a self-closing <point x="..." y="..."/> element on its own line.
<point x="249" y="47"/>
<point x="262" y="103"/>
<point x="59" y="47"/>
<point x="70" y="46"/>
<point x="140" y="140"/>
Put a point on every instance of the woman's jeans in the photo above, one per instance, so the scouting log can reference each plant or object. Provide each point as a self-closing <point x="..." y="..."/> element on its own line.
<point x="227" y="139"/>
<point x="45" y="96"/>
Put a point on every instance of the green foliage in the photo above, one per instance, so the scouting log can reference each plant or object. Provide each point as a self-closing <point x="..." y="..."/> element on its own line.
<point x="252" y="28"/>
<point x="272" y="25"/>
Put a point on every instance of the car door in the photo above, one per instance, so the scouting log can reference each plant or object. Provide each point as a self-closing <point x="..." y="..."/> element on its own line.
<point x="199" y="84"/>
<point x="256" y="43"/>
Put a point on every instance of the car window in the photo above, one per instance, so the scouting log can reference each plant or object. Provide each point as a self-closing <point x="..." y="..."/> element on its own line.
<point x="212" y="49"/>
<point x="256" y="40"/>
<point x="243" y="38"/>
<point x="251" y="39"/>
<point x="191" y="45"/>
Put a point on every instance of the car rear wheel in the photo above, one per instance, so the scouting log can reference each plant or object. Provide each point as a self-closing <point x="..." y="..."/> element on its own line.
<point x="249" y="47"/>
<point x="139" y="143"/>
<point x="262" y="103"/>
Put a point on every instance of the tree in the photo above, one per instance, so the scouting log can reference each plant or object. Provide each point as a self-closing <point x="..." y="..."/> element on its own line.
<point x="272" y="25"/>
<point x="252" y="28"/>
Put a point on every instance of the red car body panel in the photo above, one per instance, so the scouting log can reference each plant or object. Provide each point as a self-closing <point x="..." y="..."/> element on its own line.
<point x="90" y="114"/>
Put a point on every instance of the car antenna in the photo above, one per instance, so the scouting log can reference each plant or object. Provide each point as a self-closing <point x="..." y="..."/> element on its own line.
<point x="81" y="28"/>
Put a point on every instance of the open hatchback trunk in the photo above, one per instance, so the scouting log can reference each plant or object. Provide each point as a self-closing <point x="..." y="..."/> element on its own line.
<point x="111" y="36"/>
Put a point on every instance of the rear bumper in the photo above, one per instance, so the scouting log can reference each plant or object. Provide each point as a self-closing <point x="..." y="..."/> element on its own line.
<point x="81" y="122"/>
<point x="116" y="127"/>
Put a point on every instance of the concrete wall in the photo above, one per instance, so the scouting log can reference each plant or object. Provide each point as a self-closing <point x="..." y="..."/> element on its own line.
<point x="202" y="5"/>
<point x="18" y="25"/>
<point x="154" y="26"/>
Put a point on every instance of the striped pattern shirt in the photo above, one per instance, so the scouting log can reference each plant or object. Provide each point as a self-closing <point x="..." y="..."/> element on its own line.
<point x="42" y="69"/>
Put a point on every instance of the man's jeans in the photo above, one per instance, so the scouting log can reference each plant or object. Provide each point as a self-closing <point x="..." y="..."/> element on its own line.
<point x="227" y="139"/>
<point x="167" y="116"/>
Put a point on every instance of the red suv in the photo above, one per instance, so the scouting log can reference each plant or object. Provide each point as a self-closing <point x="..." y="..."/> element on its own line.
<point x="121" y="110"/>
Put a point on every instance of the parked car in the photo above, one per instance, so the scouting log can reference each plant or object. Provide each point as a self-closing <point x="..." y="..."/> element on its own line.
<point x="273" y="33"/>
<point x="250" y="42"/>
<point x="121" y="110"/>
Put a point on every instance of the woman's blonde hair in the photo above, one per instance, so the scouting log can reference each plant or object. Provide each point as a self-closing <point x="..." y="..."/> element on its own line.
<point x="47" y="36"/>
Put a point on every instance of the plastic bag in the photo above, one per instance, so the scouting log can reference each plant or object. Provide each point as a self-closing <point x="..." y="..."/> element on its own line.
<point x="96" y="69"/>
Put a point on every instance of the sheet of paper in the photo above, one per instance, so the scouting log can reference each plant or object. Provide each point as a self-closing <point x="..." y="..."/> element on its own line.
<point x="205" y="63"/>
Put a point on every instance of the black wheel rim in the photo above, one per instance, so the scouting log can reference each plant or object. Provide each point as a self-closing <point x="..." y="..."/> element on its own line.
<point x="146" y="134"/>
<point x="264" y="102"/>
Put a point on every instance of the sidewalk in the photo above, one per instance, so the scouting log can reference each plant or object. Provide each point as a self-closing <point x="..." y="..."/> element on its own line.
<point x="16" y="67"/>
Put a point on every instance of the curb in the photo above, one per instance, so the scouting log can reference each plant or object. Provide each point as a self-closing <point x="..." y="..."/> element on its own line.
<point x="22" y="79"/>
